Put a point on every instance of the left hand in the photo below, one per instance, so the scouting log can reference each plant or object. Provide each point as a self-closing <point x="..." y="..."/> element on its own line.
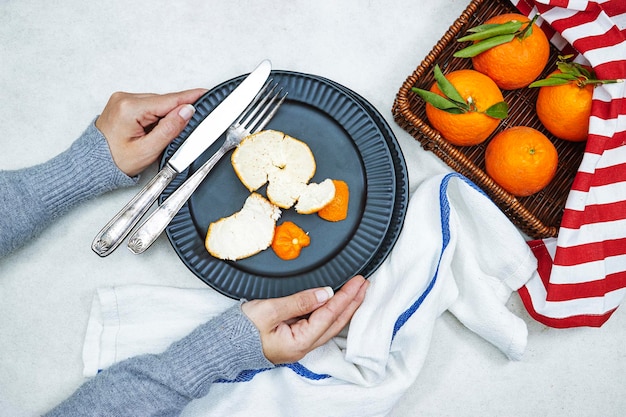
<point x="138" y="127"/>
<point x="287" y="335"/>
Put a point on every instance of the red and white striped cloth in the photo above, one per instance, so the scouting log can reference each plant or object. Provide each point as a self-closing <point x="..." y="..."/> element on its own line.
<point x="581" y="274"/>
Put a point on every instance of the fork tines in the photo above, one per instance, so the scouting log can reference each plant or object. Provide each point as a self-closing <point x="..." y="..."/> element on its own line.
<point x="263" y="107"/>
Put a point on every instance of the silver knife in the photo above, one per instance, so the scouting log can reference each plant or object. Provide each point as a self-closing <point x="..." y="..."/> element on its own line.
<point x="203" y="136"/>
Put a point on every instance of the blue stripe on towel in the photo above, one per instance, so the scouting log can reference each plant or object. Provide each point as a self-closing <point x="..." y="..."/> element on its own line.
<point x="297" y="367"/>
<point x="305" y="372"/>
<point x="444" y="205"/>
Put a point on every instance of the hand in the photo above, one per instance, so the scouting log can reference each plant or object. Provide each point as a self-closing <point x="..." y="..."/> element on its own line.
<point x="287" y="335"/>
<point x="138" y="127"/>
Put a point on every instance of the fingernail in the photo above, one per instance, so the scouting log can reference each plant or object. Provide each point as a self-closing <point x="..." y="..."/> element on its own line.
<point x="324" y="294"/>
<point x="187" y="111"/>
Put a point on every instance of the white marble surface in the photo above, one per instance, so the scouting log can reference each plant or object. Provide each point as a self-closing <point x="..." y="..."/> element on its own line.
<point x="59" y="63"/>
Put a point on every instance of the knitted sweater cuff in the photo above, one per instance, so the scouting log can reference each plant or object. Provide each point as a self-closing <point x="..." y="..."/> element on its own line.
<point x="82" y="172"/>
<point x="220" y="349"/>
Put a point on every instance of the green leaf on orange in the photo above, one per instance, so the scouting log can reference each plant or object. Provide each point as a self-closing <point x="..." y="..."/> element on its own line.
<point x="438" y="101"/>
<point x="448" y="89"/>
<point x="498" y="111"/>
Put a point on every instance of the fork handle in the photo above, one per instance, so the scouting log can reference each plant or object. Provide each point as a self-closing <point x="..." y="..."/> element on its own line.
<point x="152" y="228"/>
<point x="111" y="235"/>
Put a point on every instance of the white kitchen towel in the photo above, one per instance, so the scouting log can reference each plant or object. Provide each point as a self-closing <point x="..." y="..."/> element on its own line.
<point x="133" y="319"/>
<point x="456" y="252"/>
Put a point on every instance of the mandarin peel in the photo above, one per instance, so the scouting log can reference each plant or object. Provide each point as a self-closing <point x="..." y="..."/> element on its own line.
<point x="289" y="239"/>
<point x="337" y="209"/>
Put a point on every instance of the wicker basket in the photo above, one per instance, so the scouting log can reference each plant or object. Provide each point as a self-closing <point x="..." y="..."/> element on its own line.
<point x="538" y="215"/>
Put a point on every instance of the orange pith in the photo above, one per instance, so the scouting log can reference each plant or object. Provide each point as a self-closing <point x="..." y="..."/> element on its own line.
<point x="521" y="160"/>
<point x="289" y="239"/>
<point x="473" y="127"/>
<point x="517" y="63"/>
<point x="565" y="109"/>
<point x="337" y="209"/>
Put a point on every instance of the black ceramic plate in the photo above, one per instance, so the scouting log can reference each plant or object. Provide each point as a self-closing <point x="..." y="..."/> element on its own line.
<point x="402" y="184"/>
<point x="351" y="142"/>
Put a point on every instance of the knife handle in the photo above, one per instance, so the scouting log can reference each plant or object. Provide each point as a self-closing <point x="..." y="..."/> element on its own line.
<point x="154" y="225"/>
<point x="111" y="235"/>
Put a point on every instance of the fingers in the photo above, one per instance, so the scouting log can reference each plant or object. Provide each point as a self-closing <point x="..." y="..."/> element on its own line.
<point x="160" y="105"/>
<point x="275" y="311"/>
<point x="328" y="320"/>
<point x="170" y="126"/>
<point x="126" y="112"/>
<point x="334" y="306"/>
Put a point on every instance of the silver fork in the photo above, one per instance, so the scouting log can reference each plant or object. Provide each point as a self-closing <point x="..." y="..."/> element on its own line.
<point x="256" y="116"/>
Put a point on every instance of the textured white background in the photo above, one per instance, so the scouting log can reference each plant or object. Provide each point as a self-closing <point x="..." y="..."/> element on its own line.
<point x="59" y="63"/>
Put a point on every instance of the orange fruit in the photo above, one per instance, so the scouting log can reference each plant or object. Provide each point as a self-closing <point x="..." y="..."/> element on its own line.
<point x="517" y="63"/>
<point x="521" y="160"/>
<point x="473" y="127"/>
<point x="337" y="209"/>
<point x="289" y="239"/>
<point x="565" y="109"/>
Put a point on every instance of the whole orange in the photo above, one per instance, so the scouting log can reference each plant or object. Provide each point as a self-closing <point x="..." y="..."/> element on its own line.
<point x="517" y="63"/>
<point x="473" y="127"/>
<point x="521" y="160"/>
<point x="565" y="109"/>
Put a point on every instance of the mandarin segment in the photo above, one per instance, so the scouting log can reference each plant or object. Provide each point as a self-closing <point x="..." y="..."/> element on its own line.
<point x="521" y="160"/>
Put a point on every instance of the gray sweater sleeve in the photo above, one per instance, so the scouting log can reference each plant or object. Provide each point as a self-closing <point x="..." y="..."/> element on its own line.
<point x="151" y="385"/>
<point x="145" y="385"/>
<point x="33" y="197"/>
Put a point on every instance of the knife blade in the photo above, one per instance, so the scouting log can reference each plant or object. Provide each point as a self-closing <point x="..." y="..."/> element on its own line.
<point x="203" y="136"/>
